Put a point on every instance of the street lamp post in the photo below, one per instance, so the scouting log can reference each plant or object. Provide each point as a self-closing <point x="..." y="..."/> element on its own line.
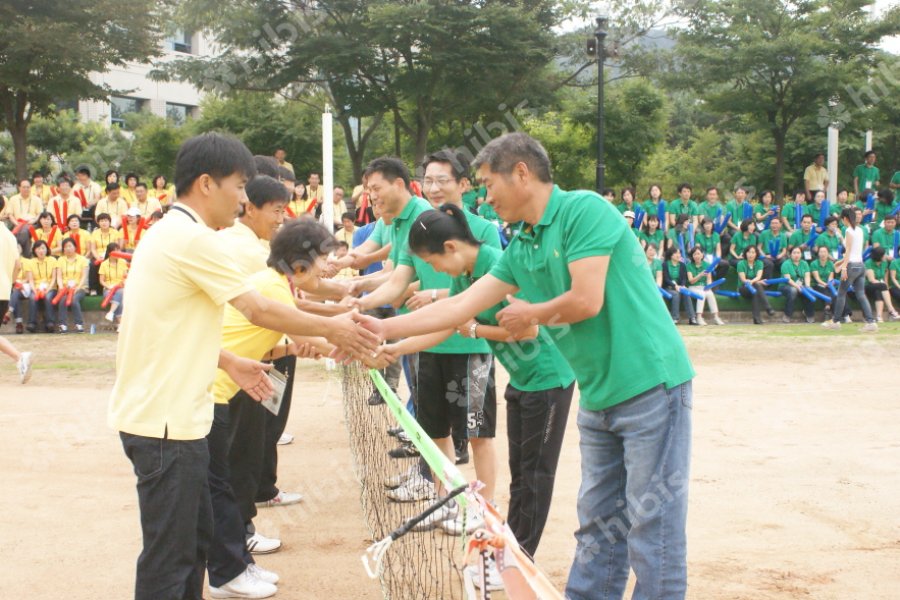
<point x="600" y="49"/>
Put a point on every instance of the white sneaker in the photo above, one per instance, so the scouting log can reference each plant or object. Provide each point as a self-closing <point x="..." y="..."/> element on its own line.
<point x="457" y="527"/>
<point x="869" y="328"/>
<point x="831" y="325"/>
<point x="701" y="321"/>
<point x="282" y="499"/>
<point x="263" y="574"/>
<point x="437" y="518"/>
<point x="414" y="489"/>
<point x="492" y="579"/>
<point x="245" y="585"/>
<point x="879" y="319"/>
<point x="395" y="481"/>
<point x="717" y="320"/>
<point x="285" y="439"/>
<point x="110" y="316"/>
<point x="24" y="366"/>
<point x="260" y="544"/>
<point x="847" y="319"/>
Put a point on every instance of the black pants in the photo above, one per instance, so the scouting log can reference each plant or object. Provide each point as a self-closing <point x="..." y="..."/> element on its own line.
<point x="275" y="425"/>
<point x="247" y="435"/>
<point x="791" y="294"/>
<point x="536" y="424"/>
<point x="760" y="300"/>
<point x="176" y="515"/>
<point x="772" y="267"/>
<point x="228" y="555"/>
<point x="874" y="290"/>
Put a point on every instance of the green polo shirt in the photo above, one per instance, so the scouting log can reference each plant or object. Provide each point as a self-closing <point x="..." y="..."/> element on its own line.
<point x="652" y="208"/>
<point x="867" y="177"/>
<point x="694" y="269"/>
<point x="633" y="320"/>
<point x="736" y="211"/>
<point x="796" y="272"/>
<point x="750" y="271"/>
<point x="760" y="210"/>
<point x="429" y="278"/>
<point x="886" y="240"/>
<point x="879" y="269"/>
<point x="622" y="207"/>
<point x="470" y="200"/>
<point x="653" y="238"/>
<point x="533" y="365"/>
<point x="896" y="179"/>
<point x="815" y="212"/>
<point x="674" y="271"/>
<point x="655" y="267"/>
<point x="486" y="211"/>
<point x="798" y="238"/>
<point x="672" y="235"/>
<point x="789" y="212"/>
<point x="709" y="211"/>
<point x="741" y="243"/>
<point x="832" y="242"/>
<point x="895" y="268"/>
<point x="677" y="207"/>
<point x="708" y="243"/>
<point x="767" y="236"/>
<point x="882" y="210"/>
<point x="823" y="270"/>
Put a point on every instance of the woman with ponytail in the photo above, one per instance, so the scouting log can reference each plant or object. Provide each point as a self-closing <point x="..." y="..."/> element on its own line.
<point x="541" y="382"/>
<point x="852" y="271"/>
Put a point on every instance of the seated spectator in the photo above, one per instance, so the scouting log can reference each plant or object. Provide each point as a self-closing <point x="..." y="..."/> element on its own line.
<point x="831" y="238"/>
<point x="112" y="176"/>
<point x="113" y="205"/>
<point x="814" y="210"/>
<point x="101" y="237"/>
<point x="677" y="235"/>
<point x="48" y="232"/>
<point x="154" y="219"/>
<point x="674" y="280"/>
<point x="42" y="277"/>
<point x="741" y="241"/>
<point x="72" y="280"/>
<point x="629" y="218"/>
<point x="78" y="235"/>
<point x="764" y="212"/>
<point x="711" y="243"/>
<point x="21" y="293"/>
<point x="651" y="205"/>
<point x="64" y="204"/>
<point x="876" y="285"/>
<point x="651" y="234"/>
<point x="894" y="274"/>
<point x="133" y="229"/>
<point x="698" y="278"/>
<point x="821" y="273"/>
<point x="801" y="239"/>
<point x="348" y="226"/>
<point x="627" y="202"/>
<point x="888" y="237"/>
<point x="162" y="191"/>
<point x="656" y="266"/>
<point x="128" y="192"/>
<point x="796" y="270"/>
<point x="145" y="204"/>
<point x="884" y="205"/>
<point x="789" y="212"/>
<point x="112" y="277"/>
<point x="299" y="203"/>
<point x="773" y="246"/>
<point x="750" y="271"/>
<point x="343" y="248"/>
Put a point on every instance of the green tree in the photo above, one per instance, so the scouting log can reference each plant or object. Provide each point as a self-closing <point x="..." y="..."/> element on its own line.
<point x="775" y="61"/>
<point x="49" y="49"/>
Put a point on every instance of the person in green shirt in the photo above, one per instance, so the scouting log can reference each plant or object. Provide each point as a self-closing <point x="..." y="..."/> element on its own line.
<point x="487" y="212"/>
<point x="458" y="363"/>
<point x="677" y="235"/>
<point x="796" y="270"/>
<point x="737" y="210"/>
<point x="655" y="264"/>
<point x="652" y="205"/>
<point x="712" y="208"/>
<point x="698" y="278"/>
<point x="627" y="203"/>
<point x="894" y="276"/>
<point x="877" y="285"/>
<point x="750" y="271"/>
<point x="895" y="183"/>
<point x="651" y="234"/>
<point x="821" y="273"/>
<point x="888" y="237"/>
<point x="801" y="239"/>
<point x="832" y="239"/>
<point x="711" y="244"/>
<point x="815" y="209"/>
<point x="580" y="271"/>
<point x="773" y="246"/>
<point x="541" y="382"/>
<point x="884" y="207"/>
<point x="799" y="205"/>
<point x="743" y="240"/>
<point x="866" y="176"/>
<point x="683" y="206"/>
<point x="675" y="279"/>
<point x="766" y="211"/>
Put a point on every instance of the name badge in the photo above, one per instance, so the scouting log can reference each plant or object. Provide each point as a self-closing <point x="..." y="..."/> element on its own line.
<point x="834" y="253"/>
<point x="708" y="258"/>
<point x="807" y="255"/>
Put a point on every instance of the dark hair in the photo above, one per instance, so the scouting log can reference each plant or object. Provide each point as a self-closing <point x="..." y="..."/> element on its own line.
<point x="459" y="164"/>
<point x="650" y="189"/>
<point x="877" y="254"/>
<point x="266" y="165"/>
<point x="343" y="244"/>
<point x="299" y="241"/>
<point x="868" y="152"/>
<point x="631" y="190"/>
<point x="502" y="154"/>
<point x="646" y="225"/>
<point x="111" y="172"/>
<point x="434" y="227"/>
<point x="886" y="196"/>
<point x="140" y="184"/>
<point x="70" y="217"/>
<point x="63" y="178"/>
<point x="47" y="213"/>
<point x="608" y="191"/>
<point x="83" y="170"/>
<point x="670" y="252"/>
<point x="112" y="186"/>
<point x="741" y="187"/>
<point x="132" y="176"/>
<point x="712" y="188"/>
<point x="745" y="224"/>
<point x="111" y="247"/>
<point x="157" y="214"/>
<point x="69" y="240"/>
<point x="390" y="168"/>
<point x="682" y="186"/>
<point x="805" y="216"/>
<point x="263" y="190"/>
<point x="704" y="221"/>
<point x="682" y="218"/>
<point x="304" y="195"/>
<point x="765" y="193"/>
<point x="102" y="216"/>
<point x="818" y="154"/>
<point x="285" y="174"/>
<point x="850" y="215"/>
<point x="38" y="244"/>
<point x="157" y="178"/>
<point x="697" y="249"/>
<point x="348" y="215"/>
<point x="748" y="249"/>
<point x="213" y="154"/>
<point x="37" y="174"/>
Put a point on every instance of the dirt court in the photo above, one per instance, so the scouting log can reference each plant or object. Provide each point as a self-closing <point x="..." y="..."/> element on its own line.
<point x="794" y="485"/>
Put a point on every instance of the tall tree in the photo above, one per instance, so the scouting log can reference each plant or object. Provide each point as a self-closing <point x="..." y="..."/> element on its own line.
<point x="775" y="61"/>
<point x="48" y="51"/>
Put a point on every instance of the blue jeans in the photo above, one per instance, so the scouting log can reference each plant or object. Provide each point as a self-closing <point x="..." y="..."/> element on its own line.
<point x="856" y="276"/>
<point x="632" y="505"/>
<point x="76" y="309"/>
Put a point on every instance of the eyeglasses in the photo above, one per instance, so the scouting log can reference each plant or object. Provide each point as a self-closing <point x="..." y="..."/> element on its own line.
<point x="439" y="181"/>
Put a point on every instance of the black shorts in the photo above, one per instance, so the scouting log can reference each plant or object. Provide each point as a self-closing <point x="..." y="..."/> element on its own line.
<point x="454" y="384"/>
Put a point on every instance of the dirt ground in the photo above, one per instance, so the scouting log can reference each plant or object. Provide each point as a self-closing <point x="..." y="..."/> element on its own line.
<point x="793" y="494"/>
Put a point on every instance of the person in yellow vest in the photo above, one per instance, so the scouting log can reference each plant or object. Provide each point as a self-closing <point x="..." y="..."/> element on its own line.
<point x="101" y="238"/>
<point x="49" y="232"/>
<point x="162" y="191"/>
<point x="132" y="230"/>
<point x="81" y="237"/>
<point x="113" y="205"/>
<point x="72" y="279"/>
<point x="40" y="189"/>
<point x="146" y="204"/>
<point x="112" y="277"/>
<point x="86" y="191"/>
<point x="128" y="192"/>
<point x="64" y="204"/>
<point x="42" y="276"/>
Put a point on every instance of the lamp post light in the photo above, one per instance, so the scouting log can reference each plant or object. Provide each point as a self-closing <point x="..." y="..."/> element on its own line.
<point x="597" y="47"/>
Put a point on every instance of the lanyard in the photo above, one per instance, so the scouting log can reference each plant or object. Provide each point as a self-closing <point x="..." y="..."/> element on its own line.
<point x="179" y="209"/>
<point x="66" y="265"/>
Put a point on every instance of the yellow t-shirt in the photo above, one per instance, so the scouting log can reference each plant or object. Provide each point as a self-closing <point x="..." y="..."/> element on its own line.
<point x="128" y="195"/>
<point x="63" y="209"/>
<point x="116" y="209"/>
<point x="83" y="240"/>
<point x="168" y="347"/>
<point x="114" y="273"/>
<point x="24" y="267"/>
<point x="73" y="270"/>
<point x="249" y="252"/>
<point x="102" y="240"/>
<point x="147" y="208"/>
<point x="298" y="207"/>
<point x="245" y="339"/>
<point x="343" y="235"/>
<point x="165" y="196"/>
<point x="129" y="236"/>
<point x="43" y="194"/>
<point x="24" y="208"/>
<point x="53" y="238"/>
<point x="43" y="272"/>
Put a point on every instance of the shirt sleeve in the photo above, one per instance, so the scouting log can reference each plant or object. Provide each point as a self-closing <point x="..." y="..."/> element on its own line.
<point x="208" y="265"/>
<point x="378" y="233"/>
<point x="590" y="229"/>
<point x="502" y="269"/>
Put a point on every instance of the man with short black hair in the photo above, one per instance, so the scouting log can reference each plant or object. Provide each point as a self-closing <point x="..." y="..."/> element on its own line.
<point x="113" y="205"/>
<point x="866" y="176"/>
<point x="280" y="156"/>
<point x="815" y="177"/>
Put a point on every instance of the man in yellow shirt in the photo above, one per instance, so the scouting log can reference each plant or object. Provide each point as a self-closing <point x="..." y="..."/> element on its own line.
<point x="348" y="227"/>
<point x="65" y="203"/>
<point x="146" y="204"/>
<point x="280" y="155"/>
<point x="113" y="205"/>
<point x="24" y="206"/>
<point x="40" y="189"/>
<point x="815" y="177"/>
<point x="88" y="192"/>
<point x="168" y="350"/>
<point x="314" y="191"/>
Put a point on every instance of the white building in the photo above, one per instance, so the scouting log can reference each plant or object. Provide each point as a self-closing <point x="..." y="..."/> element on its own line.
<point x="173" y="99"/>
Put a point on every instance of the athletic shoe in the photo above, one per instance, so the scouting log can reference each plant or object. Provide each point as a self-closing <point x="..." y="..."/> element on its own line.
<point x="847" y="319"/>
<point x="394" y="431"/>
<point x="831" y="325"/>
<point x="462" y="458"/>
<point x="404" y="451"/>
<point x="31" y="328"/>
<point x="810" y="320"/>
<point x="492" y="579"/>
<point x="701" y="321"/>
<point x="245" y="585"/>
<point x="63" y="329"/>
<point x="109" y="316"/>
<point x="895" y="316"/>
<point x="414" y="489"/>
<point x="24" y="366"/>
<point x="282" y="499"/>
<point x="770" y="311"/>
<point x="437" y="518"/>
<point x="785" y="319"/>
<point x="455" y="526"/>
<point x="693" y="322"/>
<point x="263" y="574"/>
<point x="260" y="544"/>
<point x="757" y="321"/>
<point x="375" y="399"/>
<point x="285" y="439"/>
<point x="869" y="328"/>
<point x="395" y="481"/>
<point x="879" y="320"/>
<point x="403" y="437"/>
<point x="79" y="328"/>
<point x="717" y="320"/>
<point x="20" y="327"/>
<point x="7" y="317"/>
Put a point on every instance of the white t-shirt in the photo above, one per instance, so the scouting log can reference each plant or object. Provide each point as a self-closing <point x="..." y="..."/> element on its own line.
<point x="854" y="244"/>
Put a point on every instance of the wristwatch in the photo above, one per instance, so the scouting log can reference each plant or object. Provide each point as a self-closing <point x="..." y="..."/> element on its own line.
<point x="472" y="330"/>
<point x="434" y="295"/>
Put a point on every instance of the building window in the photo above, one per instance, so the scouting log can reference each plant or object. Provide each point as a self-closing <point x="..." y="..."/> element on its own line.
<point x="180" y="41"/>
<point x="121" y="106"/>
<point x="178" y="113"/>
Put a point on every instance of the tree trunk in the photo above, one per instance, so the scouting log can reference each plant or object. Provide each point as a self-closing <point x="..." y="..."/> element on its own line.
<point x="396" y="133"/>
<point x="19" y="133"/>
<point x="780" y="136"/>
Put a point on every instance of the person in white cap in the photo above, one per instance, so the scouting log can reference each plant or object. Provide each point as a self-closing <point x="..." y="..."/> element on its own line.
<point x="132" y="229"/>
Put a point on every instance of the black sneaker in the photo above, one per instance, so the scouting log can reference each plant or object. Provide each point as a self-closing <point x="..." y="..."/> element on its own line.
<point x="394" y="431"/>
<point x="404" y="451"/>
<point x="462" y="458"/>
<point x="375" y="399"/>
